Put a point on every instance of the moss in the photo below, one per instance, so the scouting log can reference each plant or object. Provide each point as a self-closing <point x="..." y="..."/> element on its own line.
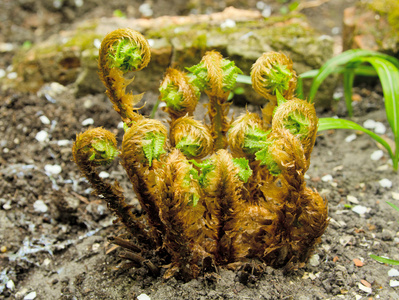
<point x="389" y="8"/>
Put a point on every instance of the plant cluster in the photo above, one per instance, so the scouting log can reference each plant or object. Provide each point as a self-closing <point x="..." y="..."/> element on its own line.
<point x="216" y="194"/>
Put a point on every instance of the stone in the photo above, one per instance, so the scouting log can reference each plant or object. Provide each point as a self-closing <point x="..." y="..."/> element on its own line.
<point x="71" y="56"/>
<point x="371" y="25"/>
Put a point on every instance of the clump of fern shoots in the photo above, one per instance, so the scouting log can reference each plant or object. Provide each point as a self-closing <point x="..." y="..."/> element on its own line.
<point x="213" y="194"/>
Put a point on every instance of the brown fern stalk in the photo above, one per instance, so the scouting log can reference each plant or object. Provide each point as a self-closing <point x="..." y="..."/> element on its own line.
<point x="88" y="158"/>
<point x="140" y="168"/>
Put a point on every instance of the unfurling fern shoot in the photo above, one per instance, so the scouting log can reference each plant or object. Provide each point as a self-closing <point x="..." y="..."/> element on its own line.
<point x="218" y="194"/>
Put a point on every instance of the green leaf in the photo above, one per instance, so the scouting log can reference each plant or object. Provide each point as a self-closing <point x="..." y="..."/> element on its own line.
<point x="230" y="72"/>
<point x="333" y="64"/>
<point x="188" y="147"/>
<point x="153" y="145"/>
<point x="171" y="96"/>
<point x="385" y="260"/>
<point x="205" y="168"/>
<point x="255" y="139"/>
<point x="245" y="170"/>
<point x="280" y="98"/>
<point x="331" y="123"/>
<point x="388" y="73"/>
<point x="266" y="158"/>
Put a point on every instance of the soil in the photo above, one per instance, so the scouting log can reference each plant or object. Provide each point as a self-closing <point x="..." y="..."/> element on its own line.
<point x="53" y="231"/>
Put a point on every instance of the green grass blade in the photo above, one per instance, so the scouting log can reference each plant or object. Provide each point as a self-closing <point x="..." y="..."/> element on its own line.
<point x="388" y="73"/>
<point x="385" y="260"/>
<point x="332" y="64"/>
<point x="349" y="77"/>
<point x="244" y="79"/>
<point x="393" y="206"/>
<point x="331" y="123"/>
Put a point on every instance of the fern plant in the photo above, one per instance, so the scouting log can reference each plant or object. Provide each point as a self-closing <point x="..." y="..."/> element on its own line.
<point x="217" y="194"/>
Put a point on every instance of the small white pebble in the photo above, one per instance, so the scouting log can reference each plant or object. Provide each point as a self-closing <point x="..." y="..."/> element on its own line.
<point x="63" y="143"/>
<point x="327" y="178"/>
<point x="350" y="138"/>
<point x="352" y="199"/>
<point x="88" y="122"/>
<point x="307" y="176"/>
<point x="267" y="11"/>
<point x="7" y="205"/>
<point x="103" y="174"/>
<point x="385" y="183"/>
<point x="393" y="283"/>
<point x="229" y="23"/>
<point x="6" y="150"/>
<point x="97" y="43"/>
<point x="379" y="128"/>
<point x="146" y="10"/>
<point x="143" y="297"/>
<point x="42" y="136"/>
<point x="46" y="262"/>
<point x="44" y="120"/>
<point x="314" y="260"/>
<point x="120" y="125"/>
<point x="395" y="196"/>
<point x="2" y="73"/>
<point x="30" y="296"/>
<point x="358" y="297"/>
<point x="10" y="285"/>
<point x="95" y="247"/>
<point x="369" y="124"/>
<point x="151" y="42"/>
<point x="53" y="169"/>
<point x="393" y="273"/>
<point x="360" y="209"/>
<point x="377" y="155"/>
<point x="12" y="75"/>
<point x="364" y="288"/>
<point x="40" y="206"/>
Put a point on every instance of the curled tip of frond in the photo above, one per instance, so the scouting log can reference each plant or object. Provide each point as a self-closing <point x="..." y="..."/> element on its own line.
<point x="95" y="146"/>
<point x="215" y="74"/>
<point x="238" y="131"/>
<point x="144" y="141"/>
<point x="299" y="117"/>
<point x="191" y="137"/>
<point x="179" y="94"/>
<point x="124" y="49"/>
<point x="271" y="72"/>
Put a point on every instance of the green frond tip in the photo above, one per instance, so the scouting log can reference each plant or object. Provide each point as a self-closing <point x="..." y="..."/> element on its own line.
<point x="189" y="147"/>
<point x="243" y="165"/>
<point x="126" y="57"/>
<point x="192" y="175"/>
<point x="297" y="124"/>
<point x="278" y="79"/>
<point x="230" y="72"/>
<point x="199" y="76"/>
<point x="171" y="96"/>
<point x="205" y="168"/>
<point x="255" y="139"/>
<point x="153" y="143"/>
<point x="265" y="158"/>
<point x="280" y="98"/>
<point x="103" y="151"/>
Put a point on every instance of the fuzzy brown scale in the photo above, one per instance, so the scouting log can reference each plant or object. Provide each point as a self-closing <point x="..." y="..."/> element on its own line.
<point x="218" y="194"/>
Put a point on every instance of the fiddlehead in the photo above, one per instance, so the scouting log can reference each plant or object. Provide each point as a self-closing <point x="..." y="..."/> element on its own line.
<point x="272" y="73"/>
<point x="122" y="51"/>
<point x="97" y="147"/>
<point x="216" y="76"/>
